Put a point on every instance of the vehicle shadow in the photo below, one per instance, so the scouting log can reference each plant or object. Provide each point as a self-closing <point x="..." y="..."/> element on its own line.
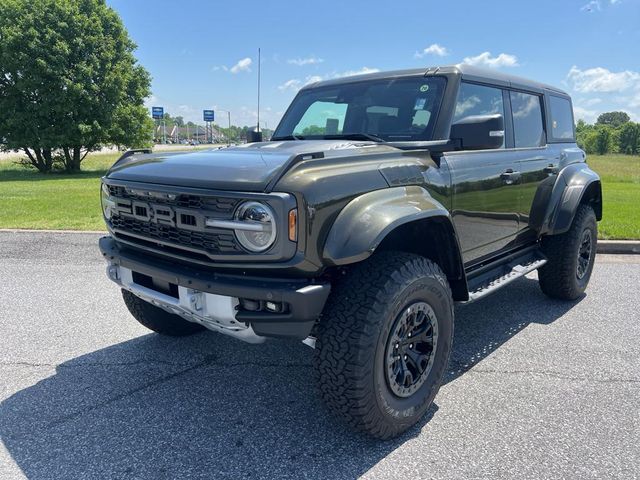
<point x="210" y="407"/>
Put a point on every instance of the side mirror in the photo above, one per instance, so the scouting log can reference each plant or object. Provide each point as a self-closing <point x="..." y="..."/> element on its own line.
<point x="479" y="132"/>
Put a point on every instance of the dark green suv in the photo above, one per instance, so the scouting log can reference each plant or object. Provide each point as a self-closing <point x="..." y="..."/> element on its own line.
<point x="380" y="202"/>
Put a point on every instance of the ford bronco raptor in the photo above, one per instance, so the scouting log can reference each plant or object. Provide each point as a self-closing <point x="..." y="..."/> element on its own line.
<point x="380" y="201"/>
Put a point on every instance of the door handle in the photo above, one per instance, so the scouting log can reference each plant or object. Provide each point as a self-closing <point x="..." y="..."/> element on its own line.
<point x="551" y="169"/>
<point x="509" y="177"/>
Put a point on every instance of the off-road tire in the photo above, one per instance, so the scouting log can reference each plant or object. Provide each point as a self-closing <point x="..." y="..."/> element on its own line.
<point x="559" y="276"/>
<point x="157" y="319"/>
<point x="352" y="336"/>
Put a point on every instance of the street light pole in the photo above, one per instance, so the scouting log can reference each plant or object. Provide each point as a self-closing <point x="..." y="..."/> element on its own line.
<point x="228" y="131"/>
<point x="258" y="112"/>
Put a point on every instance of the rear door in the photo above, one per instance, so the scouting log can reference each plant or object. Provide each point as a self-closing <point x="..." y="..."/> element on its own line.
<point x="484" y="182"/>
<point x="534" y="160"/>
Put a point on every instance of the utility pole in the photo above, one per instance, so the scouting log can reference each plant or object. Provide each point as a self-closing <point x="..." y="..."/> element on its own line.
<point x="258" y="89"/>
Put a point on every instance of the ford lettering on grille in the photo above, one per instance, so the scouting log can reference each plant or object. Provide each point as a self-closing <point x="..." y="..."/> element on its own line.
<point x="160" y="213"/>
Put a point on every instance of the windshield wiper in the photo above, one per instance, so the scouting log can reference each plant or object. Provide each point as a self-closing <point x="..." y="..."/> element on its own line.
<point x="288" y="137"/>
<point x="355" y="136"/>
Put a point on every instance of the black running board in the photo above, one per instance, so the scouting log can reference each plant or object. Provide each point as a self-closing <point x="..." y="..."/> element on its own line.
<point x="494" y="278"/>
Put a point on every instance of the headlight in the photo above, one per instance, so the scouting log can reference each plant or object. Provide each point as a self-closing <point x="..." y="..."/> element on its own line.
<point x="106" y="201"/>
<point x="259" y="232"/>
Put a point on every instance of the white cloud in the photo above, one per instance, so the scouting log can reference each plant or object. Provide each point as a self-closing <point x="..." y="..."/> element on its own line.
<point x="582" y="113"/>
<point x="486" y="60"/>
<point x="592" y="6"/>
<point x="242" y="66"/>
<point x="599" y="79"/>
<point x="590" y="102"/>
<point x="151" y="101"/>
<point x="305" y="61"/>
<point x="293" y="84"/>
<point x="216" y="68"/>
<point x="350" y="73"/>
<point x="296" y="84"/>
<point x="596" y="5"/>
<point x="434" y="49"/>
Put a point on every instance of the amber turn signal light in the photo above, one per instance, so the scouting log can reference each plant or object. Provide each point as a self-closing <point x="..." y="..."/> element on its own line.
<point x="293" y="225"/>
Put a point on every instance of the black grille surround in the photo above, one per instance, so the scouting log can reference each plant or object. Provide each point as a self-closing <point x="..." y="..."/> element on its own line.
<point x="141" y="220"/>
<point x="212" y="243"/>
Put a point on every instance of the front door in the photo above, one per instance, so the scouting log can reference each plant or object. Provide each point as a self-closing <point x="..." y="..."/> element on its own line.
<point x="485" y="201"/>
<point x="485" y="183"/>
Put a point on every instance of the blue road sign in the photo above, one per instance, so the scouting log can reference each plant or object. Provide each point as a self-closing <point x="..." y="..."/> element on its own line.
<point x="157" y="113"/>
<point x="208" y="115"/>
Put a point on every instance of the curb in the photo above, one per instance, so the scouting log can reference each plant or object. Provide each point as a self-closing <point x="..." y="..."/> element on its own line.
<point x="24" y="230"/>
<point x="619" y="247"/>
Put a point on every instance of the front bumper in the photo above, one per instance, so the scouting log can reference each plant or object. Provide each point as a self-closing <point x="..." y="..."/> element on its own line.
<point x="304" y="300"/>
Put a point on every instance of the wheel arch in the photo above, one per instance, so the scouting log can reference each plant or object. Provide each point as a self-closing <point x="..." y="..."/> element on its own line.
<point x="577" y="184"/>
<point x="400" y="219"/>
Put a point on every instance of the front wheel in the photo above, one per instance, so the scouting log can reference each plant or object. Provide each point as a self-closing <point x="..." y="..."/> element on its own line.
<point x="384" y="341"/>
<point x="571" y="256"/>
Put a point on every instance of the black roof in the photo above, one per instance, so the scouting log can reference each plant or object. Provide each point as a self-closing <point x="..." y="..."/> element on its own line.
<point x="468" y="72"/>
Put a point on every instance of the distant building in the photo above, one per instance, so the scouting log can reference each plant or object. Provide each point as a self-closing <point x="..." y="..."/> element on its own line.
<point x="189" y="133"/>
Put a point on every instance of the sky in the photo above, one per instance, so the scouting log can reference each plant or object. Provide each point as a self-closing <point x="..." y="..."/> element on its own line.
<point x="203" y="54"/>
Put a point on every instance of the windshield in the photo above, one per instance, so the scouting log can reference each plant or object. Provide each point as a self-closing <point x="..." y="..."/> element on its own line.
<point x="402" y="109"/>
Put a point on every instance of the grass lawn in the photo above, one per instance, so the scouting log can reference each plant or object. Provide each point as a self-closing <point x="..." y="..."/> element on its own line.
<point x="72" y="202"/>
<point x="620" y="195"/>
<point x="57" y="201"/>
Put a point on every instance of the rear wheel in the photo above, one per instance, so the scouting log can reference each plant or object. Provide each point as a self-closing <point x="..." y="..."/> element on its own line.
<point x="384" y="342"/>
<point x="571" y="256"/>
<point x="157" y="319"/>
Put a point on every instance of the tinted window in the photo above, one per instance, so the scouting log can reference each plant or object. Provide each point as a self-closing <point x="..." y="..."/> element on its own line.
<point x="322" y="118"/>
<point x="561" y="118"/>
<point x="478" y="100"/>
<point x="527" y="120"/>
<point x="393" y="109"/>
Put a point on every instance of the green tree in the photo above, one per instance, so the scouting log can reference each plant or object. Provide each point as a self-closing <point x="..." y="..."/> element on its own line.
<point x="69" y="81"/>
<point x="313" y="130"/>
<point x="583" y="130"/>
<point x="614" y="119"/>
<point x="603" y="140"/>
<point x="629" y="138"/>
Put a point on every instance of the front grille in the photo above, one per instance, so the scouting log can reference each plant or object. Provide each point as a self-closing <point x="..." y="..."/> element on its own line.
<point x="211" y="243"/>
<point x="214" y="204"/>
<point x="151" y="218"/>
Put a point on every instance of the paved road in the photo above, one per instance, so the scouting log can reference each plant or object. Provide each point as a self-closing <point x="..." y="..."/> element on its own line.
<point x="536" y="389"/>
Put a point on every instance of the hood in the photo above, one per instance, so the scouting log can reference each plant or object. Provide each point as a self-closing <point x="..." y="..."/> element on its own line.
<point x="250" y="167"/>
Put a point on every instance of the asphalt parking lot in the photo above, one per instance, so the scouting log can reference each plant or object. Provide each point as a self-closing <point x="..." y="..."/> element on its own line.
<point x="536" y="388"/>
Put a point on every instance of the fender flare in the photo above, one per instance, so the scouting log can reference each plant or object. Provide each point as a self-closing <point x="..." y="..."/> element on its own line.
<point x="367" y="219"/>
<point x="574" y="181"/>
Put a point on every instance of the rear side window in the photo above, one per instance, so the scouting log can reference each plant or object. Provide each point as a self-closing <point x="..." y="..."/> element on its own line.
<point x="478" y="100"/>
<point x="561" y="118"/>
<point x="528" y="129"/>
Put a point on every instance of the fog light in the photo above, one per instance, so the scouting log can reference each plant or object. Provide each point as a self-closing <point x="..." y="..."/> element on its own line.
<point x="273" y="307"/>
